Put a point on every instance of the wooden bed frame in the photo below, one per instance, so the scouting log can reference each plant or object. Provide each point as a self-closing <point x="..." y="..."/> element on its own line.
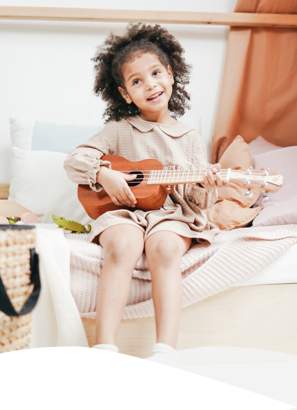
<point x="260" y="317"/>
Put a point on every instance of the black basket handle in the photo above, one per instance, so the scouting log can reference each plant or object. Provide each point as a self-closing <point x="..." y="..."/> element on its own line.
<point x="5" y="303"/>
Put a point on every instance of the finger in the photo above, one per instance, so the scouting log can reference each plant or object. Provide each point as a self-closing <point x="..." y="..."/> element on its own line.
<point x="216" y="168"/>
<point x="205" y="181"/>
<point x="129" y="177"/>
<point x="225" y="183"/>
<point x="123" y="200"/>
<point x="210" y="179"/>
<point x="219" y="181"/>
<point x="130" y="197"/>
<point x="115" y="201"/>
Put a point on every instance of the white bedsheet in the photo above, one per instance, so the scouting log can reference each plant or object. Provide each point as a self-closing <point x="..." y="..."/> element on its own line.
<point x="282" y="270"/>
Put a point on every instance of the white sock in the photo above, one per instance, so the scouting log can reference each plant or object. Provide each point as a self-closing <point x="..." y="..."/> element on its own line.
<point x="106" y="346"/>
<point x="161" y="348"/>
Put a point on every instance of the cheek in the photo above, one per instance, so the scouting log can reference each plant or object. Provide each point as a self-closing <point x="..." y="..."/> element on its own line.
<point x="138" y="95"/>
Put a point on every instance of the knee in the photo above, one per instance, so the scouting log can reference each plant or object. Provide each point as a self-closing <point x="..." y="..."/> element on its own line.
<point x="121" y="250"/>
<point x="163" y="252"/>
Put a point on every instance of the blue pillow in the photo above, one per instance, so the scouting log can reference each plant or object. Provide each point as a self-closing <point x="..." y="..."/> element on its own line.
<point x="48" y="136"/>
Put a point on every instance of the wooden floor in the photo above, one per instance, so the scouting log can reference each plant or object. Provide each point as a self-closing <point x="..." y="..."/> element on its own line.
<point x="261" y="317"/>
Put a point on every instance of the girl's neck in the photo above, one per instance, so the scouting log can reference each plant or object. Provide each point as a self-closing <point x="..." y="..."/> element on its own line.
<point x="159" y="117"/>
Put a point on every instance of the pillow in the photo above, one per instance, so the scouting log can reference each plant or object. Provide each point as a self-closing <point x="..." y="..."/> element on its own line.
<point x="260" y="146"/>
<point x="45" y="136"/>
<point x="280" y="208"/>
<point x="232" y="209"/>
<point x="41" y="185"/>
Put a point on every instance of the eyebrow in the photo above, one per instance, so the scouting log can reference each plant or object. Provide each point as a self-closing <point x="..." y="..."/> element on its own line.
<point x="134" y="74"/>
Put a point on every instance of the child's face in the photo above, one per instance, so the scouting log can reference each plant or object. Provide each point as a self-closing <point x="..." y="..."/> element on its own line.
<point x="148" y="83"/>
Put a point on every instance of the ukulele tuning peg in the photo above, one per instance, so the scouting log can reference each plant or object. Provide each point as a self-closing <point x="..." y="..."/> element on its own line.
<point x="265" y="173"/>
<point x="248" y="172"/>
<point x="246" y="182"/>
<point x="248" y="193"/>
<point x="265" y="196"/>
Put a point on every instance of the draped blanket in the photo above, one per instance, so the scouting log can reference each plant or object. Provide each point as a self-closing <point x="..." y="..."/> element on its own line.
<point x="206" y="269"/>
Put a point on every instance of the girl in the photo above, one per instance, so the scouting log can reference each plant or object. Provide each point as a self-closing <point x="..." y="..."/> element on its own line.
<point x="142" y="77"/>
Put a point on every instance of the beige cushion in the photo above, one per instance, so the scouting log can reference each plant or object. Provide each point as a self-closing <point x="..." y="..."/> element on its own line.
<point x="232" y="209"/>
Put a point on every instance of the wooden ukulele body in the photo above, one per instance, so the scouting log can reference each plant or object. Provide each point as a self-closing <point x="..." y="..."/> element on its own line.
<point x="148" y="197"/>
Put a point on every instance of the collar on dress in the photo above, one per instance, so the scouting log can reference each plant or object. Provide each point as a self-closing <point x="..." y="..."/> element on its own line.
<point x="176" y="130"/>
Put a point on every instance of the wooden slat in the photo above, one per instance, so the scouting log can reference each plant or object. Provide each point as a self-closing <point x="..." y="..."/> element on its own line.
<point x="149" y="16"/>
<point x="256" y="317"/>
<point x="4" y="191"/>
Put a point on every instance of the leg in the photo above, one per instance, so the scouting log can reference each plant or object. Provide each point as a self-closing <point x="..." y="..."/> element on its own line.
<point x="123" y="246"/>
<point x="164" y="250"/>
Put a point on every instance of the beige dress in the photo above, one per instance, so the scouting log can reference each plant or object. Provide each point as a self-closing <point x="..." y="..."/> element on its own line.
<point x="136" y="139"/>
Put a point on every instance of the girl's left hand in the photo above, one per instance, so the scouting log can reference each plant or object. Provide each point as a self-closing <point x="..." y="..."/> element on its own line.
<point x="212" y="183"/>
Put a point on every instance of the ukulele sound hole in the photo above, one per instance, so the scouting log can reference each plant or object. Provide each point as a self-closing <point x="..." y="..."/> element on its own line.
<point x="137" y="180"/>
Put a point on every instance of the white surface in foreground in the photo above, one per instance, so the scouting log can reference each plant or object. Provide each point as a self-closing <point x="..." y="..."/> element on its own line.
<point x="265" y="372"/>
<point x="80" y="378"/>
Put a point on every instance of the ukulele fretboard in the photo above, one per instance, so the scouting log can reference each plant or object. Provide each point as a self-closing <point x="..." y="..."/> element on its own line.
<point x="172" y="177"/>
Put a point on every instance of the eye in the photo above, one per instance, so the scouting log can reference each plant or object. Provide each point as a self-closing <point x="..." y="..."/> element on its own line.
<point x="156" y="72"/>
<point x="135" y="82"/>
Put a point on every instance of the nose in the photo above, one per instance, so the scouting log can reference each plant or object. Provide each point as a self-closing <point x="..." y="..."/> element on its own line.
<point x="150" y="83"/>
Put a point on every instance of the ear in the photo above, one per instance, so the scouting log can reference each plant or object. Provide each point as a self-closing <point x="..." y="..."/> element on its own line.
<point x="170" y="73"/>
<point x="125" y="95"/>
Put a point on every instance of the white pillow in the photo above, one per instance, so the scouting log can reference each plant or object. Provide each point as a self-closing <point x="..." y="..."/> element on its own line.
<point x="40" y="184"/>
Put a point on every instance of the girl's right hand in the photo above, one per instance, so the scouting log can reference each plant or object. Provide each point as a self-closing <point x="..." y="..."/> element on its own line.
<point x="116" y="187"/>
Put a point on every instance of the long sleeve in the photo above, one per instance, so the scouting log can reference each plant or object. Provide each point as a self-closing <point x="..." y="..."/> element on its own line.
<point x="83" y="163"/>
<point x="202" y="197"/>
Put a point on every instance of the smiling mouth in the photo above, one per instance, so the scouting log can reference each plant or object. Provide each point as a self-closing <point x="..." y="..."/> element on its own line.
<point x="155" y="96"/>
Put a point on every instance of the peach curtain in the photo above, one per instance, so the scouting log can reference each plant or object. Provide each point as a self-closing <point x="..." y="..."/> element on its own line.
<point x="259" y="87"/>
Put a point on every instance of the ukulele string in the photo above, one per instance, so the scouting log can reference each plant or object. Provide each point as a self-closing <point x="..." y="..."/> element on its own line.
<point x="175" y="173"/>
<point x="180" y="175"/>
<point x="145" y="176"/>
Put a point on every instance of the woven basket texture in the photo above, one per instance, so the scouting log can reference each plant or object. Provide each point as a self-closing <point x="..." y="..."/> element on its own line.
<point x="15" y="245"/>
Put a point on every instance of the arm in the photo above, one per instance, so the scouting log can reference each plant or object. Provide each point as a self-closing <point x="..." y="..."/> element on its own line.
<point x="84" y="166"/>
<point x="84" y="162"/>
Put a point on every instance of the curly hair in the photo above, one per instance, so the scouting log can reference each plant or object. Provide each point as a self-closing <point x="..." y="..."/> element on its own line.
<point x="117" y="50"/>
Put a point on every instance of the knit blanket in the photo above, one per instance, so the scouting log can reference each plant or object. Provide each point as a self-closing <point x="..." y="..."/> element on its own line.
<point x="206" y="269"/>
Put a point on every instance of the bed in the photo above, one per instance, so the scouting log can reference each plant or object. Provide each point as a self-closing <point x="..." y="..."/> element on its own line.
<point x="259" y="312"/>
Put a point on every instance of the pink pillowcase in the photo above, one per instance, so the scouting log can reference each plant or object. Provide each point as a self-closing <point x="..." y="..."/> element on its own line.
<point x="261" y="146"/>
<point x="281" y="207"/>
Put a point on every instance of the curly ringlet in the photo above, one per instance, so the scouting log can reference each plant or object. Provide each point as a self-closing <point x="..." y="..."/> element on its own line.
<point x="117" y="50"/>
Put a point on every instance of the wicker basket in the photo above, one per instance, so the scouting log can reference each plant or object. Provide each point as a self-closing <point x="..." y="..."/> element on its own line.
<point x="19" y="285"/>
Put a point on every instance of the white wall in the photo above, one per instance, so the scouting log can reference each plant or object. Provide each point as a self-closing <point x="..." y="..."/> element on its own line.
<point x="46" y="72"/>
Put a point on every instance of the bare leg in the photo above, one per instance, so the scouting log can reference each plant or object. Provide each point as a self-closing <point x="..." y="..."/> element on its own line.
<point x="123" y="246"/>
<point x="164" y="251"/>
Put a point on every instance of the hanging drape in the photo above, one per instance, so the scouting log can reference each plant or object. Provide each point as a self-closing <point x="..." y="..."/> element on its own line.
<point x="259" y="87"/>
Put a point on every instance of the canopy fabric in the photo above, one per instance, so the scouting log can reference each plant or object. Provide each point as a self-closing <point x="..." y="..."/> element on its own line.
<point x="259" y="88"/>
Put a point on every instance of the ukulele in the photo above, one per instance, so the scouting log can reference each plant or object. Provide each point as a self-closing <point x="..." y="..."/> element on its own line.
<point x="152" y="184"/>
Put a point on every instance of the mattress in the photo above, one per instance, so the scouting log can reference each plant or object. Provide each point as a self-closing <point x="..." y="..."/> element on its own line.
<point x="242" y="257"/>
<point x="282" y="270"/>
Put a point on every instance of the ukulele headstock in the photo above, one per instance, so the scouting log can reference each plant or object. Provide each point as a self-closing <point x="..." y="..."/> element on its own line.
<point x="264" y="180"/>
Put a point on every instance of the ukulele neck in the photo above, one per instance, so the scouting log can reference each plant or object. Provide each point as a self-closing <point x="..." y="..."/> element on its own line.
<point x="174" y="177"/>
